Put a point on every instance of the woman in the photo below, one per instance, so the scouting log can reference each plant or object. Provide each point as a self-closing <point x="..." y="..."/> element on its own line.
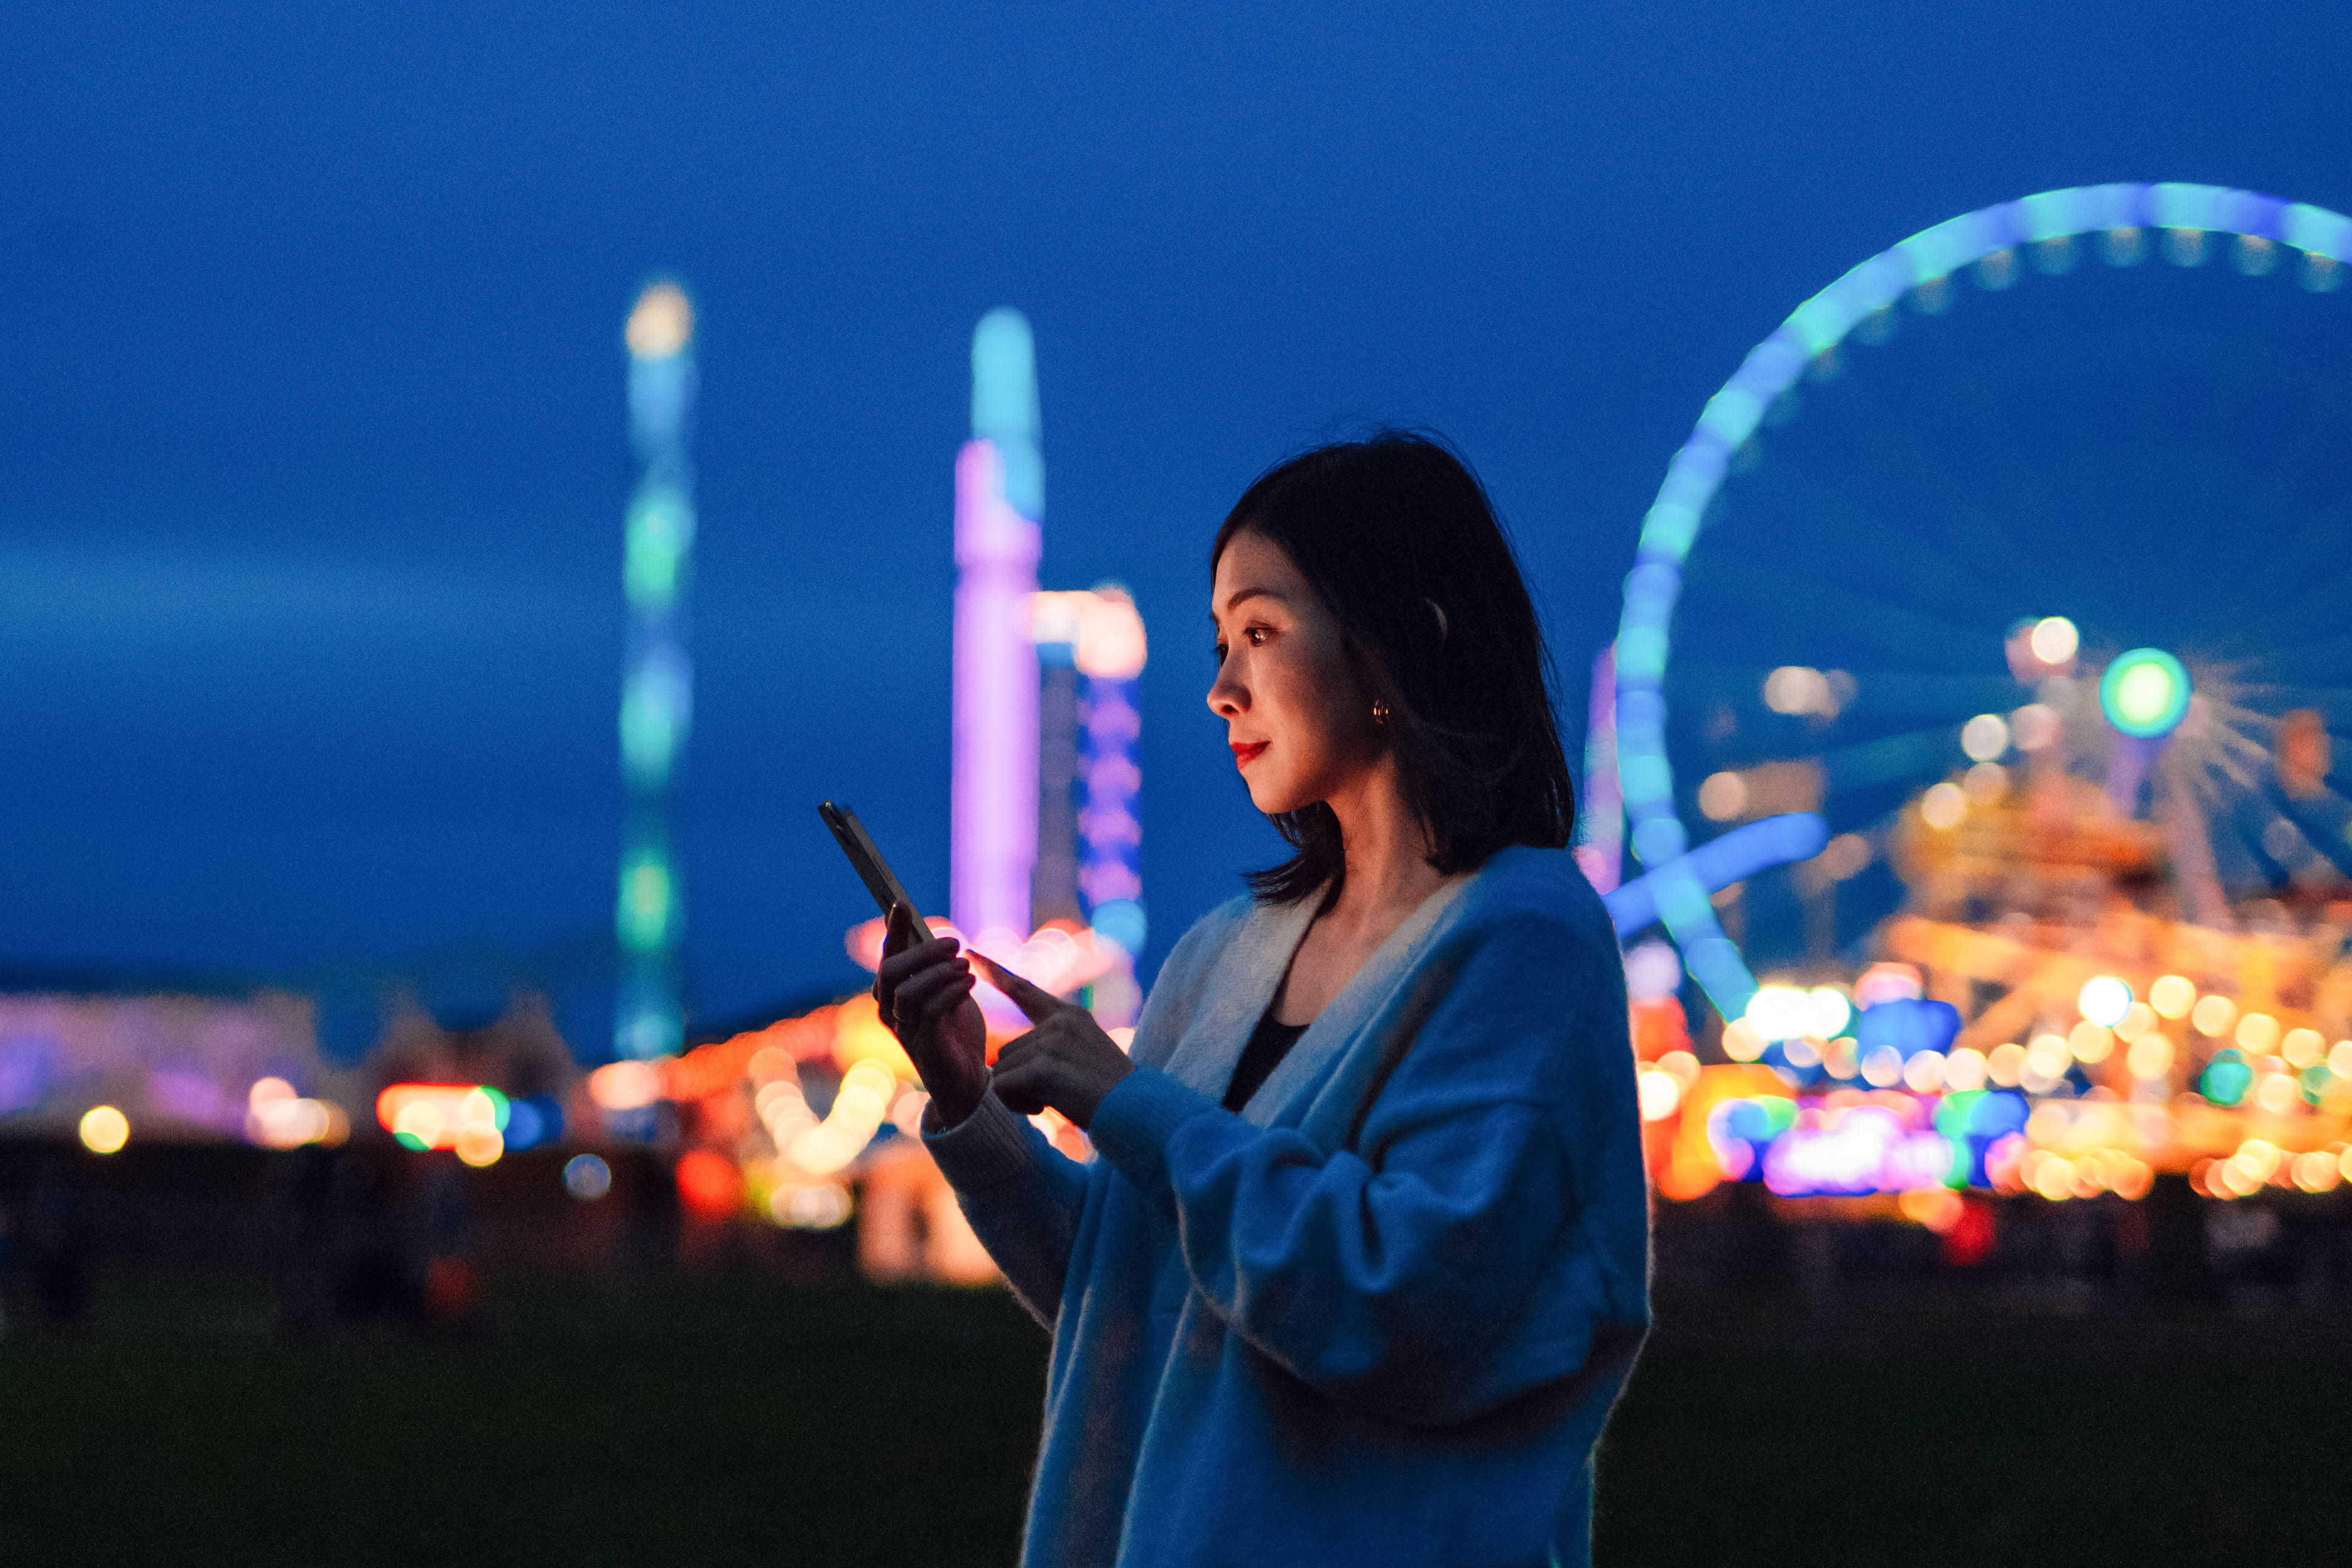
<point x="1362" y="1262"/>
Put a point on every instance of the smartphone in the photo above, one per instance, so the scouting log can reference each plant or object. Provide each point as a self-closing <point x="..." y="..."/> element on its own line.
<point x="872" y="869"/>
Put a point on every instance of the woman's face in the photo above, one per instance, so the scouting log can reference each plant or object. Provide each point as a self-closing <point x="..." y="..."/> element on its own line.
<point x="1294" y="713"/>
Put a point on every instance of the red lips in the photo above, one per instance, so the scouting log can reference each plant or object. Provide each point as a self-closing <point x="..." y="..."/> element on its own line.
<point x="1245" y="755"/>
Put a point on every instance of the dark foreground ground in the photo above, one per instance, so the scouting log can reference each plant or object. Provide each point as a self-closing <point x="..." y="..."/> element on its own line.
<point x="752" y="1421"/>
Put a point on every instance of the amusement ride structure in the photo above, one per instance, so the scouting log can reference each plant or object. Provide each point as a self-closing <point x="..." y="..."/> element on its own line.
<point x="2094" y="911"/>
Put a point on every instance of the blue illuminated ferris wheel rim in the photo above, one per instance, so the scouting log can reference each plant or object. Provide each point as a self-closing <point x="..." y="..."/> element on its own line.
<point x="1731" y="415"/>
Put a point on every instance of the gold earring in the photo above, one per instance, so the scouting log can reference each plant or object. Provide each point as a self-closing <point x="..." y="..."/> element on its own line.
<point x="1379" y="713"/>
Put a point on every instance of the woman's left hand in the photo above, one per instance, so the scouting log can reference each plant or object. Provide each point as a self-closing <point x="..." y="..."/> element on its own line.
<point x="1066" y="1061"/>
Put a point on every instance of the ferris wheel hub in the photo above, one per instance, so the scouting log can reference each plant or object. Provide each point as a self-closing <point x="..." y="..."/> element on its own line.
<point x="2144" y="693"/>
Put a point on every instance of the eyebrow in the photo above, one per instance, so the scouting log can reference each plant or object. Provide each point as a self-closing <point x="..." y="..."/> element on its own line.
<point x="1242" y="594"/>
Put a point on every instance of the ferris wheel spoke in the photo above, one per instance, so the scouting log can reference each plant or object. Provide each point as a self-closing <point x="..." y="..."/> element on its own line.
<point x="2311" y="622"/>
<point x="1927" y="570"/>
<point x="1876" y="693"/>
<point x="1828" y="604"/>
<point x="2333" y="703"/>
<point x="1918" y="754"/>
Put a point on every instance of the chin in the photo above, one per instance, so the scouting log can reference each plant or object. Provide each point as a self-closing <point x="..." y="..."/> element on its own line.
<point x="1272" y="799"/>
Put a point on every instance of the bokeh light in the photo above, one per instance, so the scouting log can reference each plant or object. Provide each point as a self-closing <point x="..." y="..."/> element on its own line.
<point x="1883" y="1067"/>
<point x="2150" y="1057"/>
<point x="1985" y="737"/>
<point x="1659" y="1093"/>
<point x="2049" y="1057"/>
<point x="2035" y="727"/>
<point x="662" y="324"/>
<point x="2090" y="1042"/>
<point x="2213" y="1016"/>
<point x="2105" y="1000"/>
<point x="2278" y="1093"/>
<point x="1924" y="1073"/>
<point x="1944" y="806"/>
<point x="104" y="1130"/>
<point x="2172" y="995"/>
<point x="2257" y="1033"/>
<point x="1937" y="1208"/>
<point x="2226" y="1078"/>
<point x="1827" y="1012"/>
<point x="1797" y="689"/>
<point x="1723" y="798"/>
<point x="1780" y="1012"/>
<point x="707" y="1184"/>
<point x="1985" y="783"/>
<point x="2316" y="1172"/>
<point x="2055" y="640"/>
<point x="587" y="1177"/>
<point x="1964" y="1070"/>
<point x="2144" y="693"/>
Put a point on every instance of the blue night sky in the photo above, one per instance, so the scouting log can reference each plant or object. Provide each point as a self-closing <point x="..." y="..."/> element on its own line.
<point x="312" y="411"/>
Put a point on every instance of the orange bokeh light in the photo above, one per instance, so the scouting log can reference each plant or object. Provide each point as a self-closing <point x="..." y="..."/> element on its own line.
<point x="710" y="1187"/>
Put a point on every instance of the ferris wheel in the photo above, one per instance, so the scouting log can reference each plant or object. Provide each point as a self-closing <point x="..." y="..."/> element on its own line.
<point x="2049" y="497"/>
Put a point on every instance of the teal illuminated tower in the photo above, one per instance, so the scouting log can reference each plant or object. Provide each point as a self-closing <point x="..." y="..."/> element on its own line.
<point x="657" y="685"/>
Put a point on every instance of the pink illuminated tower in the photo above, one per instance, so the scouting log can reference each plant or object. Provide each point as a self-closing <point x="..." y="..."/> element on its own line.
<point x="1000" y="502"/>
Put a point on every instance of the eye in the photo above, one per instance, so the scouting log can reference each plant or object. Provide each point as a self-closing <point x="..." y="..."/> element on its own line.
<point x="1258" y="635"/>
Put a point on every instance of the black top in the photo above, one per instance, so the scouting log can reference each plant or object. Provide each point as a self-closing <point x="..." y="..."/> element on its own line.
<point x="1268" y="1044"/>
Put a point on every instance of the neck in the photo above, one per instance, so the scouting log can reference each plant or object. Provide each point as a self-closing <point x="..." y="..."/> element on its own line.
<point x="1384" y="846"/>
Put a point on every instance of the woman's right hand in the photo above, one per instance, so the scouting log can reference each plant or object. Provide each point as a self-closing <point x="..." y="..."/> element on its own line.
<point x="924" y="990"/>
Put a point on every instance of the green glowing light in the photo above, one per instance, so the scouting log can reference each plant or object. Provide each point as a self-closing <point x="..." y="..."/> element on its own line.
<point x="661" y="532"/>
<point x="2226" y="1078"/>
<point x="2144" y="693"/>
<point x="644" y="904"/>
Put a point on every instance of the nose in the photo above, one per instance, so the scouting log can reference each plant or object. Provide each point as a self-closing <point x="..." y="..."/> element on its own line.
<point x="1227" y="696"/>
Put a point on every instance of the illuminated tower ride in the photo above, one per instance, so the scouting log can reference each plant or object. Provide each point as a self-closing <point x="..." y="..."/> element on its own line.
<point x="999" y="502"/>
<point x="1082" y="652"/>
<point x="657" y="687"/>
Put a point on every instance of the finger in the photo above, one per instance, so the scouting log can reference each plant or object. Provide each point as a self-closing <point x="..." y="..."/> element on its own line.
<point x="950" y="997"/>
<point x="901" y="928"/>
<point x="1036" y="1003"/>
<point x="896" y="969"/>
<point x="1019" y="1089"/>
<point x="1016" y="1052"/>
<point x="914" y="998"/>
<point x="896" y="930"/>
<point x="912" y="968"/>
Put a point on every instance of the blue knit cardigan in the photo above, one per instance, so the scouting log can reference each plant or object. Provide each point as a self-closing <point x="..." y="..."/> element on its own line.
<point x="1380" y="1316"/>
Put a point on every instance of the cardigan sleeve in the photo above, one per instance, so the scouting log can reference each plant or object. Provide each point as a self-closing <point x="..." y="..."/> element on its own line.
<point x="1022" y="1196"/>
<point x="1494" y="1198"/>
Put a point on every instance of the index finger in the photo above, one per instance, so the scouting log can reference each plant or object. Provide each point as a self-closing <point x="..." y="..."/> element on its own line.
<point x="1034" y="1002"/>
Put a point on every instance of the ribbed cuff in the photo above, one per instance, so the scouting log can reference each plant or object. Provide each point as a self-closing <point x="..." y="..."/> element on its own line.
<point x="1132" y="1124"/>
<point x="986" y="1148"/>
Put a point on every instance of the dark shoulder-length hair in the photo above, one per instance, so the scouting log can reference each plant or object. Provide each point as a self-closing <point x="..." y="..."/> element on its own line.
<point x="1398" y="537"/>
